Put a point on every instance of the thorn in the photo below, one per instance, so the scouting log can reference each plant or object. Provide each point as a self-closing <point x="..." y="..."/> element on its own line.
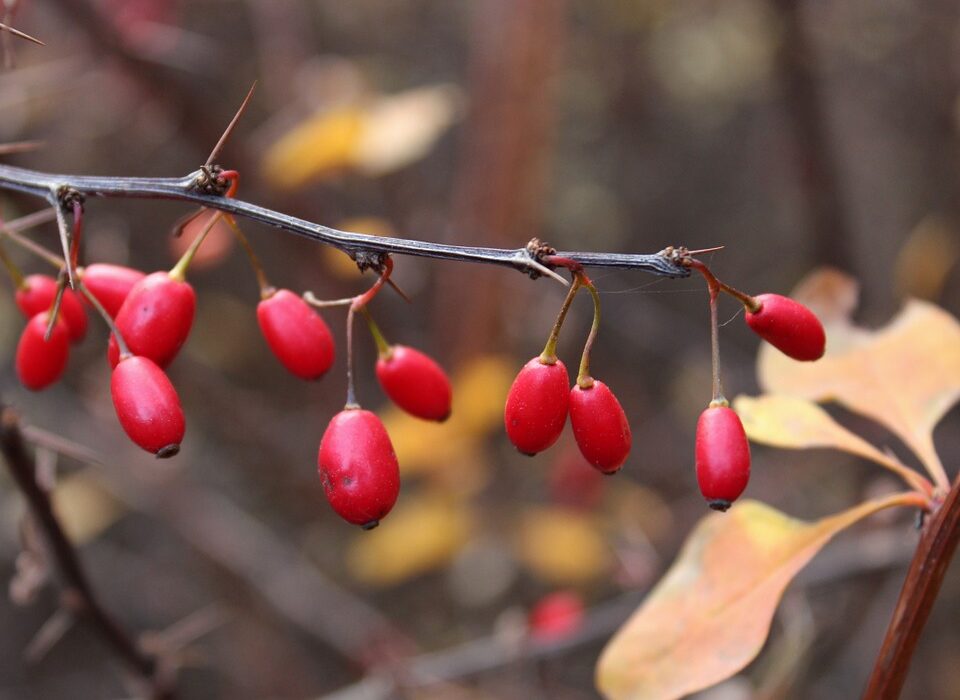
<point x="396" y="288"/>
<point x="544" y="270"/>
<point x="22" y="35"/>
<point x="233" y="122"/>
<point x="705" y="250"/>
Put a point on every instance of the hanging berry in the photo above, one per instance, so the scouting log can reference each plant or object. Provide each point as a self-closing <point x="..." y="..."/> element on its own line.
<point x="787" y="325"/>
<point x="110" y="284"/>
<point x="537" y="404"/>
<point x="415" y="383"/>
<point x="722" y="456"/>
<point x="147" y="405"/>
<point x="40" y="362"/>
<point x="296" y="334"/>
<point x="358" y="467"/>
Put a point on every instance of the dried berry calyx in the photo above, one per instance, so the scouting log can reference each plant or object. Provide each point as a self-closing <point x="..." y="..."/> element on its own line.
<point x="358" y="467"/>
<point x="722" y="456"/>
<point x="788" y="325"/>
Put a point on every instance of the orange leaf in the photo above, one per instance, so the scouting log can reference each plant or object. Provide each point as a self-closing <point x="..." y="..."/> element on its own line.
<point x="710" y="614"/>
<point x="905" y="376"/>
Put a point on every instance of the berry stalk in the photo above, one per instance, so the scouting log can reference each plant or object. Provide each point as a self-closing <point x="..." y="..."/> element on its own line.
<point x="98" y="307"/>
<point x="266" y="289"/>
<point x="584" y="380"/>
<point x="179" y="271"/>
<point x="549" y="354"/>
<point x="11" y="267"/>
<point x="383" y="347"/>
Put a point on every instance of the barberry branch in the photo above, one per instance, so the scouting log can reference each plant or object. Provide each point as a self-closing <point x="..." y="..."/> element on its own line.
<point x="78" y="595"/>
<point x="185" y="189"/>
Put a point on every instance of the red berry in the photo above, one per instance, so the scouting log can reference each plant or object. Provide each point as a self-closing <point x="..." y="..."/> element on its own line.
<point x="723" y="456"/>
<point x="556" y="616"/>
<point x="358" y="467"/>
<point x="296" y="334"/>
<point x="537" y="406"/>
<point x="41" y="362"/>
<point x="147" y="405"/>
<point x="155" y="318"/>
<point x="110" y="284"/>
<point x="789" y="326"/>
<point x="600" y="426"/>
<point x="415" y="383"/>
<point x="37" y="295"/>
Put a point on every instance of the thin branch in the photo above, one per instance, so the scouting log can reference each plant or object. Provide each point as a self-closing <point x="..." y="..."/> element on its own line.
<point x="18" y="33"/>
<point x="78" y="595"/>
<point x="182" y="189"/>
<point x="924" y="578"/>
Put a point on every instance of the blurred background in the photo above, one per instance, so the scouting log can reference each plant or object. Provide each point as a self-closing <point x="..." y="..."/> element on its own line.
<point x="795" y="134"/>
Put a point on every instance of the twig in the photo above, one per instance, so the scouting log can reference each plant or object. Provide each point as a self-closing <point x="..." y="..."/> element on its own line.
<point x="924" y="578"/>
<point x="78" y="595"/>
<point x="183" y="189"/>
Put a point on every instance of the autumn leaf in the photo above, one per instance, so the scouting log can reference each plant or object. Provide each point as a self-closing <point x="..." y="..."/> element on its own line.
<point x="710" y="614"/>
<point x="376" y="137"/>
<point x="84" y="507"/>
<point x="905" y="375"/>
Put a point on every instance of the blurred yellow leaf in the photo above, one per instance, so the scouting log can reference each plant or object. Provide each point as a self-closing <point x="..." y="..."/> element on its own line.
<point x="562" y="546"/>
<point x="795" y="423"/>
<point x="905" y="375"/>
<point x="322" y="144"/>
<point x="84" y="507"/>
<point x="423" y="533"/>
<point x="479" y="391"/>
<point x="710" y="614"/>
<point x="374" y="138"/>
<point x="930" y="252"/>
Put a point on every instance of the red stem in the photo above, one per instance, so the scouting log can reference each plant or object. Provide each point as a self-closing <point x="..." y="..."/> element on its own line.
<point x="920" y="589"/>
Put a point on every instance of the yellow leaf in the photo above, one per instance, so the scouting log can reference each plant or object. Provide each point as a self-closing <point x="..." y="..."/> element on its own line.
<point x="710" y="614"/>
<point x="905" y="376"/>
<point x="562" y="546"/>
<point x="401" y="129"/>
<point x="322" y="144"/>
<point x="926" y="259"/>
<point x="795" y="423"/>
<point x="84" y="507"/>
<point x="422" y="534"/>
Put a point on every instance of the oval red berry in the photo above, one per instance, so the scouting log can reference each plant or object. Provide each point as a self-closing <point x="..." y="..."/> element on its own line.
<point x="600" y="426"/>
<point x="155" y="318"/>
<point x="40" y="362"/>
<point x="358" y="467"/>
<point x="37" y="294"/>
<point x="723" y="456"/>
<point x="789" y="326"/>
<point x="297" y="335"/>
<point x="147" y="406"/>
<point x="110" y="284"/>
<point x="415" y="383"/>
<point x="537" y="406"/>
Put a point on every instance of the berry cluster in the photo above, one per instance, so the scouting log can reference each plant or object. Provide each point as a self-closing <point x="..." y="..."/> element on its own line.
<point x="540" y="398"/>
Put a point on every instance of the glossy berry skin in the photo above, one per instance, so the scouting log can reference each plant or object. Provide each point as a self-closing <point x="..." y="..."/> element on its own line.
<point x="37" y="295"/>
<point x="358" y="467"/>
<point x="556" y="616"/>
<point x="147" y="406"/>
<point x="415" y="383"/>
<point x="155" y="319"/>
<point x="537" y="406"/>
<point x="110" y="284"/>
<point x="296" y="334"/>
<point x="600" y="426"/>
<point x="723" y="456"/>
<point x="40" y="362"/>
<point x="789" y="326"/>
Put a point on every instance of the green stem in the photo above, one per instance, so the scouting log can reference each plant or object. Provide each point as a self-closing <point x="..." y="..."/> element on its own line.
<point x="179" y="271"/>
<point x="383" y="347"/>
<point x="584" y="380"/>
<point x="549" y="354"/>
<point x="55" y="307"/>
<point x="351" y="391"/>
